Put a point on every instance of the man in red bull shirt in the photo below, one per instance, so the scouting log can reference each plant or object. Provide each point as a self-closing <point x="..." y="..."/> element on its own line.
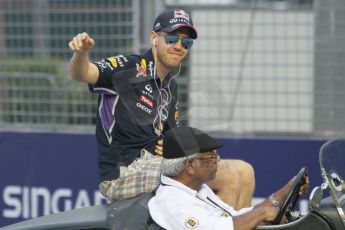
<point x="138" y="104"/>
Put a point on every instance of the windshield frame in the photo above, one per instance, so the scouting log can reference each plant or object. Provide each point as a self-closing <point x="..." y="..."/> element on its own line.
<point x="329" y="148"/>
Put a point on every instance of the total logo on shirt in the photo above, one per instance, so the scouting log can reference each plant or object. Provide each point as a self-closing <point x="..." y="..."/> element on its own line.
<point x="146" y="101"/>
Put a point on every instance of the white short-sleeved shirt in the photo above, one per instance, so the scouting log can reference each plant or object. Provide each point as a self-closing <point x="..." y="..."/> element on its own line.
<point x="177" y="207"/>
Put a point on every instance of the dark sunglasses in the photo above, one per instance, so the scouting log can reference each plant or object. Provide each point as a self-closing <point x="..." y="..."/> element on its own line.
<point x="172" y="39"/>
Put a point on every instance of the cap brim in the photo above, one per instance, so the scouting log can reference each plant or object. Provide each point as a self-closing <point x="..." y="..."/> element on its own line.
<point x="208" y="143"/>
<point x="193" y="33"/>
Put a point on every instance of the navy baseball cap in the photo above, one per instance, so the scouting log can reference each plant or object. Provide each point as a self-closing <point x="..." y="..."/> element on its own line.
<point x="173" y="19"/>
<point x="184" y="141"/>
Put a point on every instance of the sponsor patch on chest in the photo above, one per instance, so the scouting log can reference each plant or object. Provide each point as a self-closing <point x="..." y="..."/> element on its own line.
<point x="144" y="108"/>
<point x="146" y="101"/>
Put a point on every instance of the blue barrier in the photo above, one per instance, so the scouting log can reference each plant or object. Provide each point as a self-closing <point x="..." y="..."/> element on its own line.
<point x="275" y="161"/>
<point x="42" y="173"/>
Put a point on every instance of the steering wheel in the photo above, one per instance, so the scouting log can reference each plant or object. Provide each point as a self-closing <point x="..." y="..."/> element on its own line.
<point x="292" y="196"/>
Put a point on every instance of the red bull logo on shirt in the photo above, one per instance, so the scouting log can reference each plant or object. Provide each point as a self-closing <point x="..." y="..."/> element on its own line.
<point x="141" y="69"/>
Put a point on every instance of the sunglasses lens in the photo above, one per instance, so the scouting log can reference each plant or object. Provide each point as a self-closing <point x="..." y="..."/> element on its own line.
<point x="171" y="39"/>
<point x="187" y="43"/>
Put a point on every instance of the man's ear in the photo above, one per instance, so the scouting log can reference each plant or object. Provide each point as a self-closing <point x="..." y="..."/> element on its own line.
<point x="190" y="167"/>
<point x="153" y="38"/>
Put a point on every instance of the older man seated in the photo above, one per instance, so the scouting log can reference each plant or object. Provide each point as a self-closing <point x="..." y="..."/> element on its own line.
<point x="185" y="201"/>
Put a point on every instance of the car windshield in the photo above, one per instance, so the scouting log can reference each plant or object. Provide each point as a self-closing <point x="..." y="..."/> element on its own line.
<point x="332" y="162"/>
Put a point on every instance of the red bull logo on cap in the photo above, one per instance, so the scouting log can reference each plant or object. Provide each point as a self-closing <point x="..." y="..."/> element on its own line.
<point x="181" y="14"/>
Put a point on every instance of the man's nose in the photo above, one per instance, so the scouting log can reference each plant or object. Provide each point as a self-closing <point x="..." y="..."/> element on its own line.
<point x="178" y="44"/>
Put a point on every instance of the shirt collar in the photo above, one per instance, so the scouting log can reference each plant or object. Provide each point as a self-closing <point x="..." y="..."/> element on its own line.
<point x="148" y="55"/>
<point x="171" y="182"/>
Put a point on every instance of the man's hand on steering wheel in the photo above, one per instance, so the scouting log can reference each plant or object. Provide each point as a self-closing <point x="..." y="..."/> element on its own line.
<point x="305" y="187"/>
<point x="302" y="190"/>
<point x="290" y="193"/>
<point x="280" y="195"/>
<point x="280" y="203"/>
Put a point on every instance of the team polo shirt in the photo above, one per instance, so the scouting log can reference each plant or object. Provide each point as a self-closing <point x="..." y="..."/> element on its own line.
<point x="133" y="102"/>
<point x="176" y="206"/>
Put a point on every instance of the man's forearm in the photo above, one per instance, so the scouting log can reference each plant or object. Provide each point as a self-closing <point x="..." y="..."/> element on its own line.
<point x="278" y="198"/>
<point x="79" y="66"/>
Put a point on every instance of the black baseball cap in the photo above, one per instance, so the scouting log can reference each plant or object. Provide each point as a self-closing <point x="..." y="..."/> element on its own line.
<point x="184" y="141"/>
<point x="173" y="19"/>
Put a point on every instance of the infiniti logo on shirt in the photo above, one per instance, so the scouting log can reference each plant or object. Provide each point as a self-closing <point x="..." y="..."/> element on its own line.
<point x="148" y="88"/>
